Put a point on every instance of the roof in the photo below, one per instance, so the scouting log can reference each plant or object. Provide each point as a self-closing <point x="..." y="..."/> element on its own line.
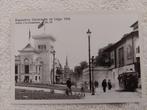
<point x="28" y="48"/>
<point x="97" y="68"/>
<point x="123" y="39"/>
<point x="44" y="36"/>
<point x="134" y="24"/>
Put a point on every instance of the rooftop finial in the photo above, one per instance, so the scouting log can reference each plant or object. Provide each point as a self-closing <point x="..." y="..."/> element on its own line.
<point x="66" y="62"/>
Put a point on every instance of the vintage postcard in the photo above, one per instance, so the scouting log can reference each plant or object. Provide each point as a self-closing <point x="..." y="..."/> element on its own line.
<point x="77" y="57"/>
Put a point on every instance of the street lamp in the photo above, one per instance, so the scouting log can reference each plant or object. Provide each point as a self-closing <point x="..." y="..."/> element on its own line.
<point x="89" y="33"/>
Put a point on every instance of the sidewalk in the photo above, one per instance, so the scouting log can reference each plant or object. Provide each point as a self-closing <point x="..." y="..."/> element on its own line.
<point x="113" y="94"/>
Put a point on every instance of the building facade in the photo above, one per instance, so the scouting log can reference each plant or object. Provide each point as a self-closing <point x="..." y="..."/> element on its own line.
<point x="34" y="62"/>
<point x="99" y="73"/>
<point x="123" y="57"/>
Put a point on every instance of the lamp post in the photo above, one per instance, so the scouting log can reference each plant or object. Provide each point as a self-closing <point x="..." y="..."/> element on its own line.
<point x="89" y="33"/>
<point x="93" y="91"/>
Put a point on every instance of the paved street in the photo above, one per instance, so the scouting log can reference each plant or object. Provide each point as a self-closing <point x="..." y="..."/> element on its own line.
<point x="112" y="94"/>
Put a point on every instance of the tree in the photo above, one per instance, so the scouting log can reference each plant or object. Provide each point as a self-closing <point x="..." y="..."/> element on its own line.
<point x="103" y="59"/>
<point x="78" y="70"/>
<point x="83" y="65"/>
<point x="59" y="71"/>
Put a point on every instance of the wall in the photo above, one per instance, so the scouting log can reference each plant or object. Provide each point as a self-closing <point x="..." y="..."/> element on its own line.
<point x="99" y="73"/>
<point x="9" y="7"/>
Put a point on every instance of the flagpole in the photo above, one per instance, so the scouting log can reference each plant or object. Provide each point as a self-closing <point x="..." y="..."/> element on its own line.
<point x="42" y="24"/>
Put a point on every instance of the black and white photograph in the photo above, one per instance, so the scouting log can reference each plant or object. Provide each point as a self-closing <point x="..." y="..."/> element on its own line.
<point x="77" y="56"/>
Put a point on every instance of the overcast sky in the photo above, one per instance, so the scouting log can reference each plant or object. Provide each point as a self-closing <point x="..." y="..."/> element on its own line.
<point x="71" y="37"/>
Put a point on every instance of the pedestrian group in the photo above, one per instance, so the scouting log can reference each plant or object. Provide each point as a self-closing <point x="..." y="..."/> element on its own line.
<point x="106" y="84"/>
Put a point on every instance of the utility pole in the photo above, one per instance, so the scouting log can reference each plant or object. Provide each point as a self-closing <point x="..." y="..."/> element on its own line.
<point x="54" y="66"/>
<point x="93" y="91"/>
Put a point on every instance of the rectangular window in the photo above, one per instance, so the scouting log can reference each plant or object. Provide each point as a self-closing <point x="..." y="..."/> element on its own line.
<point x="129" y="52"/>
<point x="36" y="69"/>
<point x="121" y="56"/>
<point x="138" y="49"/>
<point x="42" y="47"/>
<point x="38" y="46"/>
<point x="16" y="69"/>
<point x="112" y="58"/>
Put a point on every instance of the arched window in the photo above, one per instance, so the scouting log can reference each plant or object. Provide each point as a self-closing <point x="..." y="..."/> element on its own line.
<point x="26" y="60"/>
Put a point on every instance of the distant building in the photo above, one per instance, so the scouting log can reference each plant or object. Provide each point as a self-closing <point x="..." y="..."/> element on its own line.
<point x="34" y="61"/>
<point x="58" y="72"/>
<point x="67" y="72"/>
<point x="124" y="56"/>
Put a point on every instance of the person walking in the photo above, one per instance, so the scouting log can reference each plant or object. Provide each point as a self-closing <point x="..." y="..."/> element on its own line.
<point x="96" y="84"/>
<point x="82" y="90"/>
<point x="69" y="84"/>
<point x="109" y="85"/>
<point x="104" y="85"/>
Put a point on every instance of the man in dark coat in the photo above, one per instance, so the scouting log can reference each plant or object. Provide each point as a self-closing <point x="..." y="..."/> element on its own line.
<point x="68" y="84"/>
<point x="109" y="84"/>
<point x="104" y="85"/>
<point x="96" y="84"/>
